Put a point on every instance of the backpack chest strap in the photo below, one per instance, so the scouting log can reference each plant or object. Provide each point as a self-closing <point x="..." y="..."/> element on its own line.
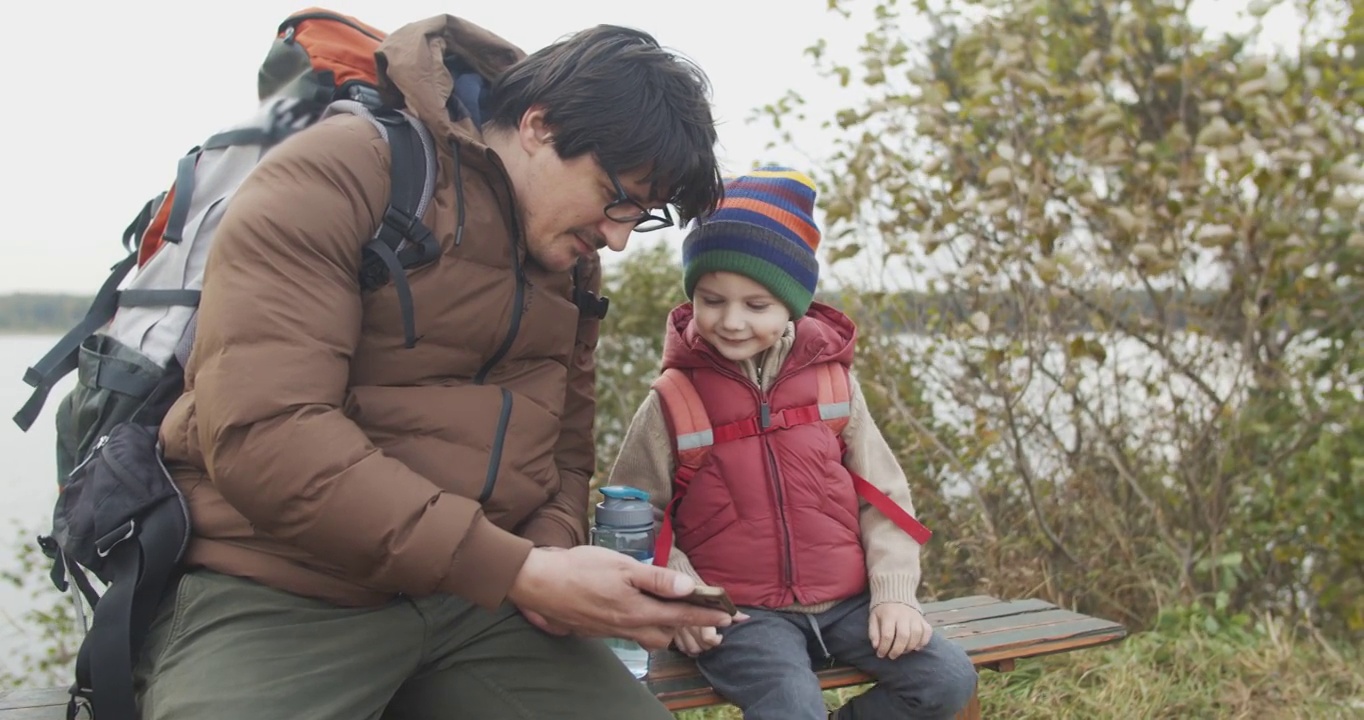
<point x="767" y="421"/>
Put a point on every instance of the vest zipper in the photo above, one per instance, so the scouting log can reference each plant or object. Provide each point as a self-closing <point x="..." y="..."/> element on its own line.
<point x="765" y="418"/>
<point x="788" y="566"/>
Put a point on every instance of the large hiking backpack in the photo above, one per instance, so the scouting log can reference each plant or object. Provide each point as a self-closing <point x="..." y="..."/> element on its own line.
<point x="118" y="514"/>
<point x="693" y="437"/>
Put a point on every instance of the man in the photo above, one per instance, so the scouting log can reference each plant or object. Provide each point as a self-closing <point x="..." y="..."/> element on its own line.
<point x="385" y="531"/>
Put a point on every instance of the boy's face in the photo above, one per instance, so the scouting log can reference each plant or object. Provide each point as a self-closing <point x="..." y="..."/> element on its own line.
<point x="737" y="316"/>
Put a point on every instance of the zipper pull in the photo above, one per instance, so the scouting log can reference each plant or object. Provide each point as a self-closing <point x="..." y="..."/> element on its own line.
<point x="765" y="415"/>
<point x="94" y="450"/>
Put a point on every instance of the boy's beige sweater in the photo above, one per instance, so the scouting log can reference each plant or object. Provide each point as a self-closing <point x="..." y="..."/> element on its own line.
<point x="646" y="462"/>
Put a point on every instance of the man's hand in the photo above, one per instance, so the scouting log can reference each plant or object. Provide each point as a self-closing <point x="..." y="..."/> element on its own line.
<point x="896" y="629"/>
<point x="597" y="592"/>
<point x="695" y="640"/>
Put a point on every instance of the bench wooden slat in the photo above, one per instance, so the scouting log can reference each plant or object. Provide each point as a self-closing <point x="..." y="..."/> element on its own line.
<point x="33" y="704"/>
<point x="1030" y="641"/>
<point x="1008" y="622"/>
<point x="1010" y="608"/>
<point x="959" y="603"/>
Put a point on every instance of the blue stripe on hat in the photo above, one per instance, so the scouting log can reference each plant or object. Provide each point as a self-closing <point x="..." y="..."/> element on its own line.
<point x="766" y="222"/>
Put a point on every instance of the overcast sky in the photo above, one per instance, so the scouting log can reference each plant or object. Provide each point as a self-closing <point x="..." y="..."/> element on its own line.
<point x="106" y="96"/>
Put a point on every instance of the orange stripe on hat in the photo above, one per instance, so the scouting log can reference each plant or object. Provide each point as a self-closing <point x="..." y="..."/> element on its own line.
<point x="802" y="227"/>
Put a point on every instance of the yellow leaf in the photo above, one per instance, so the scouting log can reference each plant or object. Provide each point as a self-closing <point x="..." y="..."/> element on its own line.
<point x="999" y="175"/>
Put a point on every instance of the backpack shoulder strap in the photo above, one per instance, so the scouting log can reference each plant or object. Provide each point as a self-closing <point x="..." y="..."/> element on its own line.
<point x="690" y="432"/>
<point x="402" y="241"/>
<point x="834" y="395"/>
<point x="63" y="357"/>
<point x="689" y="426"/>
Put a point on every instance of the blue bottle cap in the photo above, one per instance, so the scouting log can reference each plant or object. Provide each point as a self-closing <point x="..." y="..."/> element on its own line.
<point x="624" y="492"/>
<point x="624" y="507"/>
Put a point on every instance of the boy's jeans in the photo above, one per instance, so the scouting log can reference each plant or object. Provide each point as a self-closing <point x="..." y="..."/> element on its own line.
<point x="223" y="647"/>
<point x="764" y="666"/>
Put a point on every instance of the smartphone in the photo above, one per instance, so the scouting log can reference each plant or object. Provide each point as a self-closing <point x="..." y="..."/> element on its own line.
<point x="711" y="597"/>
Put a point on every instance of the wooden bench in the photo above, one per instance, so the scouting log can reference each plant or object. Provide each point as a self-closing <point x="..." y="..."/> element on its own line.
<point x="993" y="632"/>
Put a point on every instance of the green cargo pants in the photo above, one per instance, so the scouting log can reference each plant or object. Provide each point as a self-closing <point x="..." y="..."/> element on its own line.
<point x="223" y="648"/>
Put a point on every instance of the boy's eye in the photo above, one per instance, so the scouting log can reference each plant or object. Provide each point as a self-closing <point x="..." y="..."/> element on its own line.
<point x="712" y="302"/>
<point x="759" y="307"/>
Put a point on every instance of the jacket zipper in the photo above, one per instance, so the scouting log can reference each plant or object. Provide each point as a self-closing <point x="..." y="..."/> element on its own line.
<point x="481" y="377"/>
<point x="518" y="301"/>
<point x="495" y="457"/>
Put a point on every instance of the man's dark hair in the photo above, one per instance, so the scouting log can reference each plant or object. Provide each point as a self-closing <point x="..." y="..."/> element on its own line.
<point x="615" y="92"/>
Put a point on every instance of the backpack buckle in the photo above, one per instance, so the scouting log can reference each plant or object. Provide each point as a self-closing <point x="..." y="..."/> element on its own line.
<point x="398" y="221"/>
<point x="79" y="706"/>
<point x="106" y="544"/>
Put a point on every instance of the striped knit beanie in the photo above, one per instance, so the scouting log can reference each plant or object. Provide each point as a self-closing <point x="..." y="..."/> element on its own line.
<point x="762" y="230"/>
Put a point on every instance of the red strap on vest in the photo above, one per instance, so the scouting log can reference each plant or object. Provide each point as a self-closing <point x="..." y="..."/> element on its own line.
<point x="663" y="544"/>
<point x="891" y="509"/>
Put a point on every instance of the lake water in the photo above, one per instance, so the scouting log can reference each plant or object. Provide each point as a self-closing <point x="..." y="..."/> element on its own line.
<point x="28" y="488"/>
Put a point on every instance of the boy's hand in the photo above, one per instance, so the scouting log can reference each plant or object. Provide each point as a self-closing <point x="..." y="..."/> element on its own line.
<point x="695" y="640"/>
<point x="896" y="629"/>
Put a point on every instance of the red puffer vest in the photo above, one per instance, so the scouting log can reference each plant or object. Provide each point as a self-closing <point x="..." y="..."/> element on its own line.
<point x="772" y="517"/>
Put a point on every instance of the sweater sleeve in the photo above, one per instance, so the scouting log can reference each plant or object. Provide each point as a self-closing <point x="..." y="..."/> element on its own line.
<point x="892" y="555"/>
<point x="646" y="462"/>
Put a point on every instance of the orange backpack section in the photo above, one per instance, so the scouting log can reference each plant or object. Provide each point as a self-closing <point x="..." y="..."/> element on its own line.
<point x="322" y="55"/>
<point x="693" y="438"/>
<point x="318" y="56"/>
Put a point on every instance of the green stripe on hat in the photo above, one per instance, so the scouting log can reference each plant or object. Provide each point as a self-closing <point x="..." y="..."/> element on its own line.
<point x="792" y="294"/>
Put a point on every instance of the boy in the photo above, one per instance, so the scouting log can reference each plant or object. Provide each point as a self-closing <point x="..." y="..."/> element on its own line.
<point x="772" y="513"/>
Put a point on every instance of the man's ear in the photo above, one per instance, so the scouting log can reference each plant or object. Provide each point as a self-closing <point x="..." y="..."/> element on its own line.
<point x="533" y="132"/>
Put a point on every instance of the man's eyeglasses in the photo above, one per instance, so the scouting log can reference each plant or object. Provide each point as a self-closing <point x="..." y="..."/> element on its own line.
<point x="625" y="210"/>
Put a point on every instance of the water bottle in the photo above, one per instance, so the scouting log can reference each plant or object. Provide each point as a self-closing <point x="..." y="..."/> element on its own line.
<point x="624" y="522"/>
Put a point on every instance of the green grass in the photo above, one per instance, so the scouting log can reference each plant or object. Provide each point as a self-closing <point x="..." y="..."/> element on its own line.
<point x="1181" y="671"/>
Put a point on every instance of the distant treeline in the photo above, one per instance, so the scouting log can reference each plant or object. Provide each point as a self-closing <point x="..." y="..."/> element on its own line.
<point x="910" y="311"/>
<point x="929" y="312"/>
<point x="41" y="312"/>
